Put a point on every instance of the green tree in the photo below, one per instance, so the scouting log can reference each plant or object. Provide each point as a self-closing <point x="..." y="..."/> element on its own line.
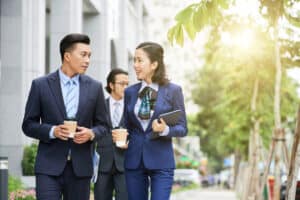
<point x="274" y="12"/>
<point x="209" y="13"/>
<point x="223" y="91"/>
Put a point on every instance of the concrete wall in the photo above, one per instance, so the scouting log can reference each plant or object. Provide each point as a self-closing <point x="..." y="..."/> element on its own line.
<point x="22" y="54"/>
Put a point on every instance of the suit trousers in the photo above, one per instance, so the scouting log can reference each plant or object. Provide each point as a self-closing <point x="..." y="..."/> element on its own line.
<point x="67" y="185"/>
<point x="138" y="181"/>
<point x="107" y="182"/>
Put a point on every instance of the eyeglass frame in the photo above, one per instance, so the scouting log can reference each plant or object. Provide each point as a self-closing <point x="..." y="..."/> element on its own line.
<point x="121" y="83"/>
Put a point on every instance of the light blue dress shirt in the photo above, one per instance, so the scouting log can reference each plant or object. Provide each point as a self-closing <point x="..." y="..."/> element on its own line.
<point x="64" y="88"/>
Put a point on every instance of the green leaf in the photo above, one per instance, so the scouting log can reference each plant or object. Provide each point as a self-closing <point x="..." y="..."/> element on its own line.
<point x="189" y="27"/>
<point x="179" y="35"/>
<point x="293" y="20"/>
<point x="199" y="18"/>
<point x="171" y="34"/>
<point x="223" y="3"/>
<point x="186" y="14"/>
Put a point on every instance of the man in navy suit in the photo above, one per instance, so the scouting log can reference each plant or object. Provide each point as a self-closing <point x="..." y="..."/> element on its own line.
<point x="63" y="165"/>
<point x="111" y="169"/>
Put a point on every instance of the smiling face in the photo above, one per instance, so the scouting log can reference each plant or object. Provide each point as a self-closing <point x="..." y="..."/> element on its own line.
<point x="143" y="66"/>
<point x="77" y="59"/>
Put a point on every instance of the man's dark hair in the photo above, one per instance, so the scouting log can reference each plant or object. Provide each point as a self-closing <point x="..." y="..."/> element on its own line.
<point x="111" y="78"/>
<point x="68" y="42"/>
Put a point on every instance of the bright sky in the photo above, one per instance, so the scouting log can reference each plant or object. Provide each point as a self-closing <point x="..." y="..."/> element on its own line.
<point x="246" y="8"/>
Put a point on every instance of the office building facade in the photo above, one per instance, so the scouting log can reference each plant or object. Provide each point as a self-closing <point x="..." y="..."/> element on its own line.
<point x="30" y="32"/>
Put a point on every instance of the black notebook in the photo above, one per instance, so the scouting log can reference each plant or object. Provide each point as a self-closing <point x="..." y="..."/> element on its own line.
<point x="171" y="118"/>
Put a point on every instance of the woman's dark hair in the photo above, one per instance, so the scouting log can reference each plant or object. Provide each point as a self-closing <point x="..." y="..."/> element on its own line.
<point x="155" y="52"/>
<point x="111" y="78"/>
<point x="68" y="42"/>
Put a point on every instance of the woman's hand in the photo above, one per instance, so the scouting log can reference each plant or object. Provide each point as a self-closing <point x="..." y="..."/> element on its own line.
<point x="158" y="126"/>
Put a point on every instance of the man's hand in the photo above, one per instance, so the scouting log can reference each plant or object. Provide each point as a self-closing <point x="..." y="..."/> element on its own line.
<point x="61" y="132"/>
<point x="117" y="136"/>
<point x="83" y="135"/>
<point x="125" y="146"/>
<point x="120" y="135"/>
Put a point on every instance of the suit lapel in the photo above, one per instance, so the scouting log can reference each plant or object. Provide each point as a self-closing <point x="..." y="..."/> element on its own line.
<point x="54" y="83"/>
<point x="108" y="109"/>
<point x="83" y="96"/>
<point x="134" y="97"/>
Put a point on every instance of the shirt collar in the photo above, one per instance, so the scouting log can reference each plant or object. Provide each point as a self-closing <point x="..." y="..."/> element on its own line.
<point x="153" y="86"/>
<point x="113" y="101"/>
<point x="64" y="78"/>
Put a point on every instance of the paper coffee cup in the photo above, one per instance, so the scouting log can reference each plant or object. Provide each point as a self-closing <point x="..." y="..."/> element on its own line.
<point x="71" y="125"/>
<point x="123" y="137"/>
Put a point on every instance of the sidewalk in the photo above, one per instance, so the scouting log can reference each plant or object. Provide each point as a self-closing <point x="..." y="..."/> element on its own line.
<point x="199" y="194"/>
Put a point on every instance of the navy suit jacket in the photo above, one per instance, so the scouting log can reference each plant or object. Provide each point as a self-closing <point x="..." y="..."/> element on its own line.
<point x="108" y="151"/>
<point x="156" y="153"/>
<point x="45" y="108"/>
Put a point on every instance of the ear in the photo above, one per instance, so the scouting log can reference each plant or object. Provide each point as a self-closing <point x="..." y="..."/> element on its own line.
<point x="111" y="86"/>
<point x="67" y="56"/>
<point x="154" y="65"/>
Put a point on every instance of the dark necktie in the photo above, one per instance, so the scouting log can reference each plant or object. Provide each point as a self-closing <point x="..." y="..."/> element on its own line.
<point x="148" y="98"/>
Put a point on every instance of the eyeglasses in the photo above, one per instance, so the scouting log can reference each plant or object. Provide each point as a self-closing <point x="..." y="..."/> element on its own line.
<point x="122" y="83"/>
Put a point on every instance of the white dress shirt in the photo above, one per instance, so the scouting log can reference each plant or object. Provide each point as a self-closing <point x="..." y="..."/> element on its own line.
<point x="112" y="106"/>
<point x="146" y="122"/>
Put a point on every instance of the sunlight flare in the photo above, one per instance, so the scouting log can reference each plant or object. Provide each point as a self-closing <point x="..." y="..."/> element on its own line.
<point x="242" y="39"/>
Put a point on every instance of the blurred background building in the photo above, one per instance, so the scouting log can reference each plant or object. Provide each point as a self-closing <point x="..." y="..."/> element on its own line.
<point x="30" y="32"/>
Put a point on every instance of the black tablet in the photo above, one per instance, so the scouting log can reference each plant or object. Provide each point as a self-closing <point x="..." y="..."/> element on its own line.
<point x="171" y="118"/>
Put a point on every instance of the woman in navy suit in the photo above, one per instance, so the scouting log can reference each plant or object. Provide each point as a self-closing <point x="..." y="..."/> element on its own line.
<point x="149" y="159"/>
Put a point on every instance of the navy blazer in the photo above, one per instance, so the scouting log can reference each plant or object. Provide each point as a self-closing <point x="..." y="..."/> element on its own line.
<point x="156" y="153"/>
<point x="45" y="108"/>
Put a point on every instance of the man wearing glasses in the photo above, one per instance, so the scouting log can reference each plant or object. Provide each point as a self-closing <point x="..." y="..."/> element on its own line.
<point x="111" y="169"/>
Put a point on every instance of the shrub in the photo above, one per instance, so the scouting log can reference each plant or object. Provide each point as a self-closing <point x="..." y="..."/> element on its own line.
<point x="186" y="163"/>
<point x="16" y="190"/>
<point x="28" y="160"/>
<point x="14" y="184"/>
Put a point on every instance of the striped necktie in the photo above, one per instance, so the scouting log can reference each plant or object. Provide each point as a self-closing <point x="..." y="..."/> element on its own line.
<point x="70" y="101"/>
<point x="116" y="115"/>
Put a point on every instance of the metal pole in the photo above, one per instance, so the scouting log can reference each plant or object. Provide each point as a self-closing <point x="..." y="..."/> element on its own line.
<point x="3" y="178"/>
